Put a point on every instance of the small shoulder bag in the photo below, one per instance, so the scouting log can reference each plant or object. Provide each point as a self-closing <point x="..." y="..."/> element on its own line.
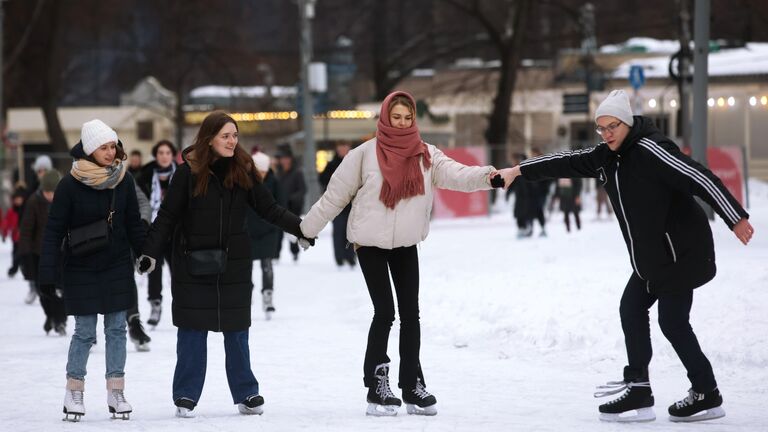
<point x="93" y="237"/>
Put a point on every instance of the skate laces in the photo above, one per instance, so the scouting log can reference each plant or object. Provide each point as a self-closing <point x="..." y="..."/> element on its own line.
<point x="614" y="387"/>
<point x="690" y="399"/>
<point x="77" y="396"/>
<point x="118" y="395"/>
<point x="383" y="389"/>
<point x="420" y="390"/>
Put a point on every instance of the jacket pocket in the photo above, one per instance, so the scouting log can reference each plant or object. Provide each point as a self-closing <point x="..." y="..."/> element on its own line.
<point x="671" y="247"/>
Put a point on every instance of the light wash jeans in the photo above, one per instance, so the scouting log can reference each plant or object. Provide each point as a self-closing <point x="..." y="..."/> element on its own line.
<point x="84" y="338"/>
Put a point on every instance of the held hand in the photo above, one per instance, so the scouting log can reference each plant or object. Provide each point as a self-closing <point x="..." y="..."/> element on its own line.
<point x="743" y="231"/>
<point x="145" y="264"/>
<point x="305" y="243"/>
<point x="509" y="175"/>
<point x="495" y="179"/>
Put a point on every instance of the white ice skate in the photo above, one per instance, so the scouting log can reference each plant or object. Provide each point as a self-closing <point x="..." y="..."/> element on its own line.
<point x="253" y="405"/>
<point x="184" y="408"/>
<point x="155" y="313"/>
<point x="74" y="408"/>
<point x="118" y="406"/>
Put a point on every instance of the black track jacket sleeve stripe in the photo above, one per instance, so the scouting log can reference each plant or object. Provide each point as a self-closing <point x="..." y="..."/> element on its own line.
<point x="677" y="170"/>
<point x="575" y="163"/>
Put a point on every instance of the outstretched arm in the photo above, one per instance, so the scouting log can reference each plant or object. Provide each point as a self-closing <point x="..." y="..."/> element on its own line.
<point x="449" y="174"/>
<point x="683" y="174"/>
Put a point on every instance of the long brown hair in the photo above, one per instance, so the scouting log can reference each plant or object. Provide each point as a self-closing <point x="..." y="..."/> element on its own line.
<point x="201" y="156"/>
<point x="404" y="101"/>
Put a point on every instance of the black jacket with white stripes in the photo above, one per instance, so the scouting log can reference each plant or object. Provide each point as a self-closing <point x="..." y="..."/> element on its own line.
<point x="651" y="185"/>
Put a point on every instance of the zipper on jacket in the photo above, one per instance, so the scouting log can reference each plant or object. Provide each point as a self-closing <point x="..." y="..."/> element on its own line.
<point x="626" y="222"/>
<point x="671" y="247"/>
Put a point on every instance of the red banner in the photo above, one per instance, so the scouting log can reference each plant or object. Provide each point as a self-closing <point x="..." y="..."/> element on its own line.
<point x="451" y="204"/>
<point x="728" y="164"/>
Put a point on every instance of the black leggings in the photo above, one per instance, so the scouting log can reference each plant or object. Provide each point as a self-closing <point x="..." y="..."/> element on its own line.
<point x="267" y="274"/>
<point x="155" y="278"/>
<point x="674" y="311"/>
<point x="403" y="264"/>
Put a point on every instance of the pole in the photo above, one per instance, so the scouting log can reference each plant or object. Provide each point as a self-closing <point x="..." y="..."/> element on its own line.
<point x="306" y="13"/>
<point x="700" y="82"/>
<point x="684" y="69"/>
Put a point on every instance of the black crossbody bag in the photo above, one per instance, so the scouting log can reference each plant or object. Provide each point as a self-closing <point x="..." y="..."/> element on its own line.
<point x="94" y="237"/>
<point x="208" y="262"/>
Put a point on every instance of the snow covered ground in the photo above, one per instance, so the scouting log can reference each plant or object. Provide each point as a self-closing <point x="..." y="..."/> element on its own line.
<point x="516" y="334"/>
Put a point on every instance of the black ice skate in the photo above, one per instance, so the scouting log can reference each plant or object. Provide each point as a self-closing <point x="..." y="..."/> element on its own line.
<point x="381" y="400"/>
<point x="137" y="334"/>
<point x="266" y="304"/>
<point x="635" y="405"/>
<point x="252" y="405"/>
<point x="419" y="401"/>
<point x="697" y="407"/>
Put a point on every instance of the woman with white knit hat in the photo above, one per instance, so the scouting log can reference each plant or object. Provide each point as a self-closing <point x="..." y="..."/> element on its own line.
<point x="95" y="213"/>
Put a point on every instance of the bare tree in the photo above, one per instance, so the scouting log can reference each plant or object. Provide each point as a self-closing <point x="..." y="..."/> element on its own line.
<point x="504" y="21"/>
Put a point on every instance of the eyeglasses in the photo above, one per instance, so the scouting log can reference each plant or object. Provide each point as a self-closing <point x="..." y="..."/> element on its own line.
<point x="610" y="128"/>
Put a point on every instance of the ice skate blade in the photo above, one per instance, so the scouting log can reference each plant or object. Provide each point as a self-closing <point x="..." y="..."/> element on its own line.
<point x="377" y="410"/>
<point x="427" y="411"/>
<point x="120" y="416"/>
<point x="642" y="415"/>
<point x="268" y="316"/>
<point x="184" y="413"/>
<point x="259" y="410"/>
<point x="710" y="414"/>
<point x="75" y="418"/>
<point x="142" y="347"/>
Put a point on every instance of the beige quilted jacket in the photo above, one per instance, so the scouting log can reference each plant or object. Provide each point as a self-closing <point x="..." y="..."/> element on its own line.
<point x="359" y="180"/>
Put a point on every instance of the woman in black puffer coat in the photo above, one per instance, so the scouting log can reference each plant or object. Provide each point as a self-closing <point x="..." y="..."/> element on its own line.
<point x="204" y="213"/>
<point x="99" y="282"/>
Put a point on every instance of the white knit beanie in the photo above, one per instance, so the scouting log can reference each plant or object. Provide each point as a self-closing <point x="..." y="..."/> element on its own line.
<point x="43" y="162"/>
<point x="616" y="105"/>
<point x="261" y="160"/>
<point x="94" y="134"/>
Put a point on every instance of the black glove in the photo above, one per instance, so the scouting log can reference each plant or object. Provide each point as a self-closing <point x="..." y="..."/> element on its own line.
<point x="497" y="181"/>
<point x="48" y="290"/>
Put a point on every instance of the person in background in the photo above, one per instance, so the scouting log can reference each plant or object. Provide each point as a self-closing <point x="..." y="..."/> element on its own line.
<point x="154" y="180"/>
<point x="291" y="180"/>
<point x="135" y="162"/>
<point x="343" y="252"/>
<point x="98" y="191"/>
<point x="602" y="201"/>
<point x="136" y="331"/>
<point x="9" y="229"/>
<point x="568" y="192"/>
<point x="540" y="193"/>
<point x="525" y="202"/>
<point x="265" y="236"/>
<point x="30" y="247"/>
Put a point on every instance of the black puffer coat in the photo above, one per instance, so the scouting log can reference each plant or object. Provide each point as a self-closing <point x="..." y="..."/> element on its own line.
<point x="102" y="282"/>
<point x="215" y="302"/>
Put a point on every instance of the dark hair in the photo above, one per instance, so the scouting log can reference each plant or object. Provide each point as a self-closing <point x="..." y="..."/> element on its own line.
<point x="161" y="143"/>
<point x="135" y="152"/>
<point x="201" y="156"/>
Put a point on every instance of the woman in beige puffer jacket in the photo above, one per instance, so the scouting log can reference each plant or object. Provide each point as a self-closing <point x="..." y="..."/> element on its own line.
<point x="390" y="181"/>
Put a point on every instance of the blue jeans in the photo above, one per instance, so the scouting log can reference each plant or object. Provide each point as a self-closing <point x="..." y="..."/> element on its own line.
<point x="84" y="338"/>
<point x="191" y="359"/>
